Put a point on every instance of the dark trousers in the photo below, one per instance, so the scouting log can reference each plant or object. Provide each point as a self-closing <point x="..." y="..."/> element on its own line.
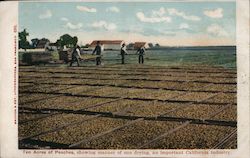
<point x="123" y="58"/>
<point x="98" y="61"/>
<point x="74" y="59"/>
<point x="141" y="59"/>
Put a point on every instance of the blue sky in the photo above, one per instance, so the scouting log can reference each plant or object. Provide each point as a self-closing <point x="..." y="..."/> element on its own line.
<point x="167" y="23"/>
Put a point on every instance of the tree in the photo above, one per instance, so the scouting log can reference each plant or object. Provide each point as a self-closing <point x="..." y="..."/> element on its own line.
<point x="22" y="42"/>
<point x="45" y="39"/>
<point x="157" y="45"/>
<point x="85" y="46"/>
<point x="59" y="43"/>
<point x="67" y="40"/>
<point x="74" y="40"/>
<point x="150" y="45"/>
<point x="34" y="42"/>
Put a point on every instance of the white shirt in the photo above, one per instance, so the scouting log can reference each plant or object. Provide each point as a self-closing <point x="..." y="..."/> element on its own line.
<point x="124" y="49"/>
<point x="78" y="52"/>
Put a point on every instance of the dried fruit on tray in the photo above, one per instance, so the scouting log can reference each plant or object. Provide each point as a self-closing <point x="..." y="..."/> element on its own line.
<point x="42" y="125"/>
<point x="229" y="114"/>
<point x="33" y="97"/>
<point x="193" y="137"/>
<point x="197" y="111"/>
<point x="224" y="98"/>
<point x="153" y="109"/>
<point x="131" y="137"/>
<point x="78" y="89"/>
<point x="85" y="130"/>
<point x="194" y="96"/>
<point x="35" y="88"/>
<point x="222" y="87"/>
<point x="116" y="106"/>
<point x="28" y="116"/>
<point x="191" y="86"/>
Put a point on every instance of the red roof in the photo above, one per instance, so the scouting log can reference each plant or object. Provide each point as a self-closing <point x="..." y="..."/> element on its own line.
<point x="106" y="42"/>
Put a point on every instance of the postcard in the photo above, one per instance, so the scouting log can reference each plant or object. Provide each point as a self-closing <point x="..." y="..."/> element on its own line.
<point x="125" y="78"/>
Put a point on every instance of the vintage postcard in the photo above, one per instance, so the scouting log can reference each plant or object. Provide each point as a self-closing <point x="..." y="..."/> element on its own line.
<point x="125" y="78"/>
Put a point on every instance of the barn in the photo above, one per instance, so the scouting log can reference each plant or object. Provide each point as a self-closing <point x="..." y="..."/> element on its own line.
<point x="42" y="44"/>
<point x="108" y="44"/>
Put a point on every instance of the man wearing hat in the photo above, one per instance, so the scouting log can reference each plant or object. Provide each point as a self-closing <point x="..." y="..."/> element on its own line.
<point x="123" y="52"/>
<point x="98" y="51"/>
<point x="141" y="52"/>
<point x="76" y="54"/>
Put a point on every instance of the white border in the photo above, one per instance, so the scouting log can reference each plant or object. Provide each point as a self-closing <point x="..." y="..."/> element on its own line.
<point x="8" y="135"/>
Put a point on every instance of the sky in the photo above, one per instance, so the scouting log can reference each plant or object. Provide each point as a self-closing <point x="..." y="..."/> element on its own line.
<point x="166" y="23"/>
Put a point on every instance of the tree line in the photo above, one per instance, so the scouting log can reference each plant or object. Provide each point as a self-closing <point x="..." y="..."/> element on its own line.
<point x="64" y="40"/>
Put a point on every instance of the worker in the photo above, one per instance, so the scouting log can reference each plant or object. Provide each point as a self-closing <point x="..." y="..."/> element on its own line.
<point x="98" y="51"/>
<point x="123" y="52"/>
<point x="76" y="54"/>
<point x="141" y="52"/>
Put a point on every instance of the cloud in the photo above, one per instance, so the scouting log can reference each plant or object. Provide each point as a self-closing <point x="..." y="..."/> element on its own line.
<point x="113" y="9"/>
<point x="153" y="18"/>
<point x="167" y="33"/>
<point x="216" y="30"/>
<point x="45" y="15"/>
<point x="64" y="19"/>
<point x="216" y="13"/>
<point x="157" y="16"/>
<point x="173" y="11"/>
<point x="71" y="26"/>
<point x="104" y="25"/>
<point x="133" y="29"/>
<point x="86" y="9"/>
<point x="150" y="31"/>
<point x="184" y="26"/>
<point x="159" y="12"/>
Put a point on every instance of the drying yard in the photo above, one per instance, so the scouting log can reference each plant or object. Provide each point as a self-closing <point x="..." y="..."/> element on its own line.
<point x="127" y="107"/>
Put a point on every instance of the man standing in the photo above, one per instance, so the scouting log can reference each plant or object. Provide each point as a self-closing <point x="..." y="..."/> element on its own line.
<point x="98" y="51"/>
<point x="141" y="52"/>
<point x="123" y="52"/>
<point x="76" y="55"/>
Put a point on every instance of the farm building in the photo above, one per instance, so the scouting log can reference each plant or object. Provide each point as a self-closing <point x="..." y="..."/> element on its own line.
<point x="108" y="44"/>
<point x="42" y="44"/>
<point x="52" y="46"/>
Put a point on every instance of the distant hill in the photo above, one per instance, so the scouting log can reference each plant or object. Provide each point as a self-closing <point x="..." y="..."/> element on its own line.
<point x="193" y="47"/>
